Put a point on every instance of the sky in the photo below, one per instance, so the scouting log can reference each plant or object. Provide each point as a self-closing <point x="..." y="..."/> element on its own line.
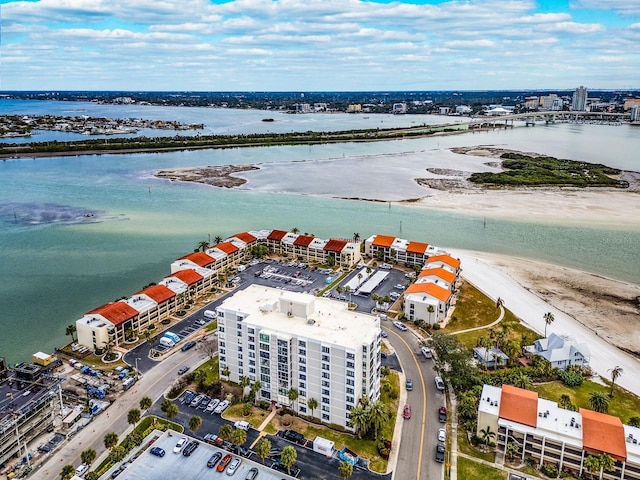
<point x="319" y="45"/>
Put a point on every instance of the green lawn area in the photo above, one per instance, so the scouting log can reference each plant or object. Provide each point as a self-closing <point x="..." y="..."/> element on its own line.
<point x="473" y="309"/>
<point x="470" y="470"/>
<point x="257" y="416"/>
<point x="465" y="447"/>
<point x="211" y="368"/>
<point x="211" y="326"/>
<point x="623" y="404"/>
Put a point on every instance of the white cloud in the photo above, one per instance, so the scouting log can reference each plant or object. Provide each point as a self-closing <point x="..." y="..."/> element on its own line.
<point x="624" y="7"/>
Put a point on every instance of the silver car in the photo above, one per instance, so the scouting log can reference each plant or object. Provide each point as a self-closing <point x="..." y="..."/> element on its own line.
<point x="233" y="466"/>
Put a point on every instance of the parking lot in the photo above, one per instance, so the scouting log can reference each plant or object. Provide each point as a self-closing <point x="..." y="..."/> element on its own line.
<point x="175" y="465"/>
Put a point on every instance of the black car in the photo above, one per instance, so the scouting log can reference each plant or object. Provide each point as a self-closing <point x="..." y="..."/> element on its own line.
<point x="214" y="459"/>
<point x="157" y="451"/>
<point x="188" y="346"/>
<point x="293" y="436"/>
<point x="281" y="467"/>
<point x="190" y="448"/>
<point x="440" y="452"/>
<point x="240" y="450"/>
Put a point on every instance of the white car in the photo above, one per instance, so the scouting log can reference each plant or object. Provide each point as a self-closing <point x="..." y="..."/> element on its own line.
<point x="222" y="406"/>
<point x="399" y="286"/>
<point x="212" y="404"/>
<point x="82" y="469"/>
<point x="180" y="445"/>
<point x="442" y="434"/>
<point x="400" y="326"/>
<point x="233" y="466"/>
<point x="426" y="352"/>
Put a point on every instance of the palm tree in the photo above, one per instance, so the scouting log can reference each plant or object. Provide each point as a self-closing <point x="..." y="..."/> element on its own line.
<point x="312" y="403"/>
<point x="293" y="395"/>
<point x="110" y="440"/>
<point x="356" y="237"/>
<point x="255" y="388"/>
<point x="133" y="416"/>
<point x="487" y="435"/>
<point x="615" y="374"/>
<point x="244" y="383"/>
<point x="499" y="302"/>
<point x="295" y="230"/>
<point x="430" y="309"/>
<point x="172" y="411"/>
<point x="88" y="456"/>
<point x="378" y="414"/>
<point x="71" y="330"/>
<point x="345" y="469"/>
<point x="606" y="463"/>
<point x="634" y="421"/>
<point x="263" y="448"/>
<point x="145" y="403"/>
<point x="238" y="437"/>
<point x="67" y="472"/>
<point x="521" y="380"/>
<point x="226" y="372"/>
<point x="217" y="239"/>
<point x="359" y="418"/>
<point x="548" y="320"/>
<point x="565" y="402"/>
<point x="592" y="465"/>
<point x="203" y="245"/>
<point x="288" y="457"/>
<point x="599" y="402"/>
<point x="225" y="431"/>
<point x="194" y="423"/>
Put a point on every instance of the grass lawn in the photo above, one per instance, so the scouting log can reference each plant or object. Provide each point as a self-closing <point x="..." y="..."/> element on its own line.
<point x="211" y="368"/>
<point x="470" y="470"/>
<point x="465" y="447"/>
<point x="257" y="416"/>
<point x="623" y="404"/>
<point x="211" y="326"/>
<point x="473" y="309"/>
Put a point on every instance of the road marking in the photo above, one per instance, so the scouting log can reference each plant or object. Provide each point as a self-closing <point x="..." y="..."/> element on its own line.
<point x="424" y="402"/>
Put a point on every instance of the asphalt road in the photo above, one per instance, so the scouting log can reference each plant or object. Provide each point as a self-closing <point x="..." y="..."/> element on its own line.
<point x="416" y="458"/>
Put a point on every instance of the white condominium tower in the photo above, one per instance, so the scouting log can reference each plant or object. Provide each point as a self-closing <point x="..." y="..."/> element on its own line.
<point x="579" y="99"/>
<point x="289" y="340"/>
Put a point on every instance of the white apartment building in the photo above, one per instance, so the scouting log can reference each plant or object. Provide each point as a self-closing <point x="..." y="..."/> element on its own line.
<point x="290" y="340"/>
<point x="579" y="99"/>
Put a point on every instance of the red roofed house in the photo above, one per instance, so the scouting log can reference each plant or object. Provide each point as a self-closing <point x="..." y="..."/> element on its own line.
<point x="105" y="324"/>
<point x="379" y="246"/>
<point x="548" y="434"/>
<point x="197" y="283"/>
<point x="193" y="260"/>
<point x="154" y="303"/>
<point x="427" y="301"/>
<point x="245" y="237"/>
<point x="416" y="253"/>
<point x="443" y="261"/>
<point x="274" y="240"/>
<point x="439" y="276"/>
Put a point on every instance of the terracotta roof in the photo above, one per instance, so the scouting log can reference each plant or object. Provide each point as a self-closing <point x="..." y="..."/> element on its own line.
<point x="417" y="247"/>
<point x="303" y="240"/>
<point x="430" y="289"/>
<point x="446" y="275"/>
<point x="383" y="241"/>
<point x="116" y="312"/>
<point x="334" y="245"/>
<point x="603" y="433"/>
<point x="227" y="247"/>
<point x="199" y="258"/>
<point x="276" y="235"/>
<point x="188" y="276"/>
<point x="452" y="262"/>
<point x="246" y="237"/>
<point x="158" y="293"/>
<point x="519" y="405"/>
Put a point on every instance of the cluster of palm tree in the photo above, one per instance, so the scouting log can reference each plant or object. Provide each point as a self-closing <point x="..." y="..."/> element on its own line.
<point x="369" y="415"/>
<point x="597" y="464"/>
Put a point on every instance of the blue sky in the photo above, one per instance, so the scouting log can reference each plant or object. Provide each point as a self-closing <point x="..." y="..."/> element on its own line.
<point x="307" y="45"/>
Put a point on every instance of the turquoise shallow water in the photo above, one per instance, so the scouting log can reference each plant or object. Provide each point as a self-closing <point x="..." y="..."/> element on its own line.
<point x="54" y="269"/>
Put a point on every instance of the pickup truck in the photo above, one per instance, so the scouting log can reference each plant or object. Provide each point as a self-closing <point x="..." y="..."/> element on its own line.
<point x="442" y="414"/>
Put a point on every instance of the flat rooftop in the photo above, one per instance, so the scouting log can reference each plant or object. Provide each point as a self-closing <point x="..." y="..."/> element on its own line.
<point x="328" y="320"/>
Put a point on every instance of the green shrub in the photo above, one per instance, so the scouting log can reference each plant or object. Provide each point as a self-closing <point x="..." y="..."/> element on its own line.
<point x="549" y="470"/>
<point x="571" y="378"/>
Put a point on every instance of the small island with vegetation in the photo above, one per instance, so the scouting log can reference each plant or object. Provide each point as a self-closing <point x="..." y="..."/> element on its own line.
<point x="536" y="171"/>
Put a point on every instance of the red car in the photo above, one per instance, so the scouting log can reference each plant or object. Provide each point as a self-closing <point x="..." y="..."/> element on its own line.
<point x="223" y="464"/>
<point x="407" y="411"/>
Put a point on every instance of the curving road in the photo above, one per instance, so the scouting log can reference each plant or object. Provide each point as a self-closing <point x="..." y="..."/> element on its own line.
<point x="416" y="458"/>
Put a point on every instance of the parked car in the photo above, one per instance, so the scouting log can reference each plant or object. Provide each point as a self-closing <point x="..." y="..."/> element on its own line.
<point x="439" y="383"/>
<point x="442" y="434"/>
<point x="426" y="352"/>
<point x="293" y="436"/>
<point x="277" y="465"/>
<point x="406" y="413"/>
<point x="223" y="463"/>
<point x="213" y="439"/>
<point x="251" y="474"/>
<point x="399" y="286"/>
<point x="214" y="459"/>
<point x="180" y="445"/>
<point x="82" y="469"/>
<point x="409" y="384"/>
<point x="222" y="406"/>
<point x="383" y="334"/>
<point x="212" y="405"/>
<point x="187" y="346"/>
<point x="242" y="424"/>
<point x="157" y="451"/>
<point x="233" y="466"/>
<point x="190" y="448"/>
<point x="189" y="397"/>
<point x="204" y="403"/>
<point x="183" y="370"/>
<point x="440" y="452"/>
<point x="196" y="400"/>
<point x="442" y="414"/>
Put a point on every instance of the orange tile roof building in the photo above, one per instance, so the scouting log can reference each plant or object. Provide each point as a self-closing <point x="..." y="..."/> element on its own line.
<point x="556" y="436"/>
<point x="392" y="249"/>
<point x="308" y="248"/>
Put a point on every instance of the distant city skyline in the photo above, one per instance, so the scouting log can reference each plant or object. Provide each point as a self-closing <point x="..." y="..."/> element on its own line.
<point x="319" y="45"/>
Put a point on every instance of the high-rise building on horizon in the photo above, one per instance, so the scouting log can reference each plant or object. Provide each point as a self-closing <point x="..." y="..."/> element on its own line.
<point x="579" y="99"/>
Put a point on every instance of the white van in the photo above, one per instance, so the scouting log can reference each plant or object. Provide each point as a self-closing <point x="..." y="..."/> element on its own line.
<point x="242" y="424"/>
<point x="167" y="342"/>
<point x="210" y="314"/>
